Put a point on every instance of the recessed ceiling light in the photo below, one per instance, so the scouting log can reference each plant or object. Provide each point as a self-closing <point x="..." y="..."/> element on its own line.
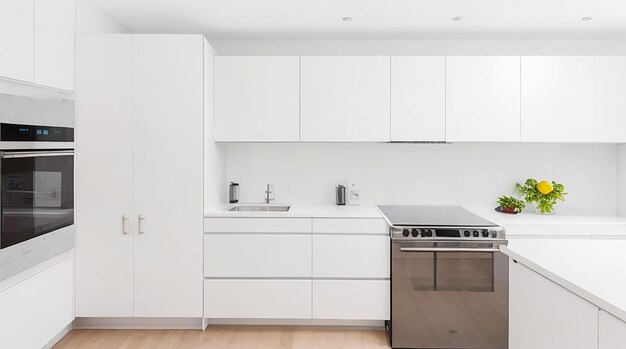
<point x="457" y="18"/>
<point x="346" y="19"/>
<point x="587" y="18"/>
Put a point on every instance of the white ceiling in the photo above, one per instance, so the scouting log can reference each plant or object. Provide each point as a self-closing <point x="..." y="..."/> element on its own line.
<point x="372" y="19"/>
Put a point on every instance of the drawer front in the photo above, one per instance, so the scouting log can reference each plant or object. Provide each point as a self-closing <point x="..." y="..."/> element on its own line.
<point x="351" y="300"/>
<point x="257" y="225"/>
<point x="350" y="256"/>
<point x="257" y="255"/>
<point x="376" y="226"/>
<point x="257" y="299"/>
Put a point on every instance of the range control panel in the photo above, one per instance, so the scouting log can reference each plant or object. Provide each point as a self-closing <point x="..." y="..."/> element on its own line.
<point x="447" y="233"/>
<point x="34" y="133"/>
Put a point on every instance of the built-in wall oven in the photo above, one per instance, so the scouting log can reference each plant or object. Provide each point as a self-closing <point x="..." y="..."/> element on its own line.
<point x="37" y="181"/>
<point x="449" y="280"/>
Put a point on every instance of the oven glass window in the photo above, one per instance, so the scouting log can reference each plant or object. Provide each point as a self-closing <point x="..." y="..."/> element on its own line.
<point x="463" y="271"/>
<point x="37" y="196"/>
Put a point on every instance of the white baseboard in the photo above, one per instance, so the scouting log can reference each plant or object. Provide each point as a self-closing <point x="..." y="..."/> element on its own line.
<point x="138" y="323"/>
<point x="58" y="337"/>
<point x="343" y="324"/>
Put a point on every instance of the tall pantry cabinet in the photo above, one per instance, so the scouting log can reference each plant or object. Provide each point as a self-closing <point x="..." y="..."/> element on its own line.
<point x="139" y="162"/>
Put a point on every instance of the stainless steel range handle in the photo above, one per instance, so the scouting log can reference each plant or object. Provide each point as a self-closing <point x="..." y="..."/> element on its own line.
<point x="443" y="249"/>
<point x="34" y="154"/>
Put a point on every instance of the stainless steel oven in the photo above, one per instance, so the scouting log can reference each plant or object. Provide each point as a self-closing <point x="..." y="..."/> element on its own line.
<point x="37" y="185"/>
<point x="449" y="280"/>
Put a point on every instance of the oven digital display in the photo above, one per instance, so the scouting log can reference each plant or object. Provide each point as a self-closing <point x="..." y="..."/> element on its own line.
<point x="448" y="233"/>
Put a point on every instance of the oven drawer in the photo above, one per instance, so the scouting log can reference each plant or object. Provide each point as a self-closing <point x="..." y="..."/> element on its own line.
<point x="351" y="299"/>
<point x="351" y="256"/>
<point x="257" y="299"/>
<point x="257" y="255"/>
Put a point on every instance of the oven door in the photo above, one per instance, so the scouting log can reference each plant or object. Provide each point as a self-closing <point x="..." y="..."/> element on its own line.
<point x="37" y="194"/>
<point x="449" y="295"/>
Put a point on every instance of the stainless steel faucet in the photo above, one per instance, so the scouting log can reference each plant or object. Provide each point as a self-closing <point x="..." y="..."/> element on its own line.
<point x="269" y="194"/>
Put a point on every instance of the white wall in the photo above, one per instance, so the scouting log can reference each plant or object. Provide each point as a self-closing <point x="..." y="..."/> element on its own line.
<point x="621" y="180"/>
<point x="466" y="174"/>
<point x="425" y="47"/>
<point x="91" y="19"/>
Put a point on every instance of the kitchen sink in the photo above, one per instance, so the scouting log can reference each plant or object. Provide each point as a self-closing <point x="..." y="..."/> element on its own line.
<point x="260" y="208"/>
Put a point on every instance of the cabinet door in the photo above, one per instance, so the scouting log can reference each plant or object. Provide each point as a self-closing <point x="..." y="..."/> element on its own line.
<point x="104" y="187"/>
<point x="543" y="315"/>
<point x="482" y="99"/>
<point x="609" y="102"/>
<point x="557" y="99"/>
<point x="351" y="299"/>
<point x="257" y="98"/>
<point x="55" y="22"/>
<point x="612" y="332"/>
<point x="257" y="299"/>
<point x="257" y="255"/>
<point x="168" y="175"/>
<point x="37" y="309"/>
<point x="16" y="39"/>
<point x="418" y="98"/>
<point x="350" y="256"/>
<point x="344" y="99"/>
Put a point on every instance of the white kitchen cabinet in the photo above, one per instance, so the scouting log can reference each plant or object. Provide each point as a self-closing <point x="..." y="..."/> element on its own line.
<point x="257" y="255"/>
<point x="257" y="98"/>
<point x="609" y="101"/>
<point x="360" y="226"/>
<point x="351" y="299"/>
<point x="482" y="99"/>
<point x="140" y="108"/>
<point x="543" y="315"/>
<point x="257" y="225"/>
<point x="557" y="99"/>
<point x="344" y="99"/>
<point x="55" y="23"/>
<point x="257" y="299"/>
<point x="104" y="141"/>
<point x="612" y="332"/>
<point x="168" y="116"/>
<point x="418" y="98"/>
<point x="350" y="256"/>
<point x="16" y="39"/>
<point x="37" y="309"/>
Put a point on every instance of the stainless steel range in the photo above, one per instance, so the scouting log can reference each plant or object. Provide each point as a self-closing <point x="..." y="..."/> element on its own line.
<point x="449" y="280"/>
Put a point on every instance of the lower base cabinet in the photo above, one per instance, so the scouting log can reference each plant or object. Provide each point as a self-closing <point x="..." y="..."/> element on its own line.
<point x="612" y="332"/>
<point x="351" y="299"/>
<point x="544" y="315"/>
<point x="257" y="299"/>
<point x="37" y="309"/>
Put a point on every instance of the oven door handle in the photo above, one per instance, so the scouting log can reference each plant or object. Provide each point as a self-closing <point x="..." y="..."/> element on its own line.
<point x="33" y="154"/>
<point x="443" y="249"/>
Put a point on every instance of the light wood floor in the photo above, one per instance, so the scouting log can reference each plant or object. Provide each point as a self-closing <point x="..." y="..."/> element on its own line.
<point x="225" y="337"/>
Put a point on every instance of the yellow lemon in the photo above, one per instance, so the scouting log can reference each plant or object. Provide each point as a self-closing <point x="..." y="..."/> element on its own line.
<point x="544" y="187"/>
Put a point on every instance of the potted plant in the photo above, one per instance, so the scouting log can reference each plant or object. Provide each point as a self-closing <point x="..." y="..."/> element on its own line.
<point x="543" y="195"/>
<point x="509" y="204"/>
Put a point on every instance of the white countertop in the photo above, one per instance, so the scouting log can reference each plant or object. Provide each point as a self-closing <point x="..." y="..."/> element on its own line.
<point x="532" y="224"/>
<point x="594" y="269"/>
<point x="301" y="211"/>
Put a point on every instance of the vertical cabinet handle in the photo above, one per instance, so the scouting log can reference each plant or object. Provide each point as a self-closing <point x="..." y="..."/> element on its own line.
<point x="124" y="224"/>
<point x="140" y="219"/>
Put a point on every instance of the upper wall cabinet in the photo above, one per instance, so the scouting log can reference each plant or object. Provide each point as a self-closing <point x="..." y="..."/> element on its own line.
<point x="557" y="99"/>
<point x="256" y="98"/>
<point x="37" y="42"/>
<point x="345" y="99"/>
<point x="54" y="43"/>
<point x="16" y="39"/>
<point x="483" y="99"/>
<point x="418" y="98"/>
<point x="610" y="99"/>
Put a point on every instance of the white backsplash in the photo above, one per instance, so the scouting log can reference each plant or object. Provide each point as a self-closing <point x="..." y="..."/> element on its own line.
<point x="466" y="174"/>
